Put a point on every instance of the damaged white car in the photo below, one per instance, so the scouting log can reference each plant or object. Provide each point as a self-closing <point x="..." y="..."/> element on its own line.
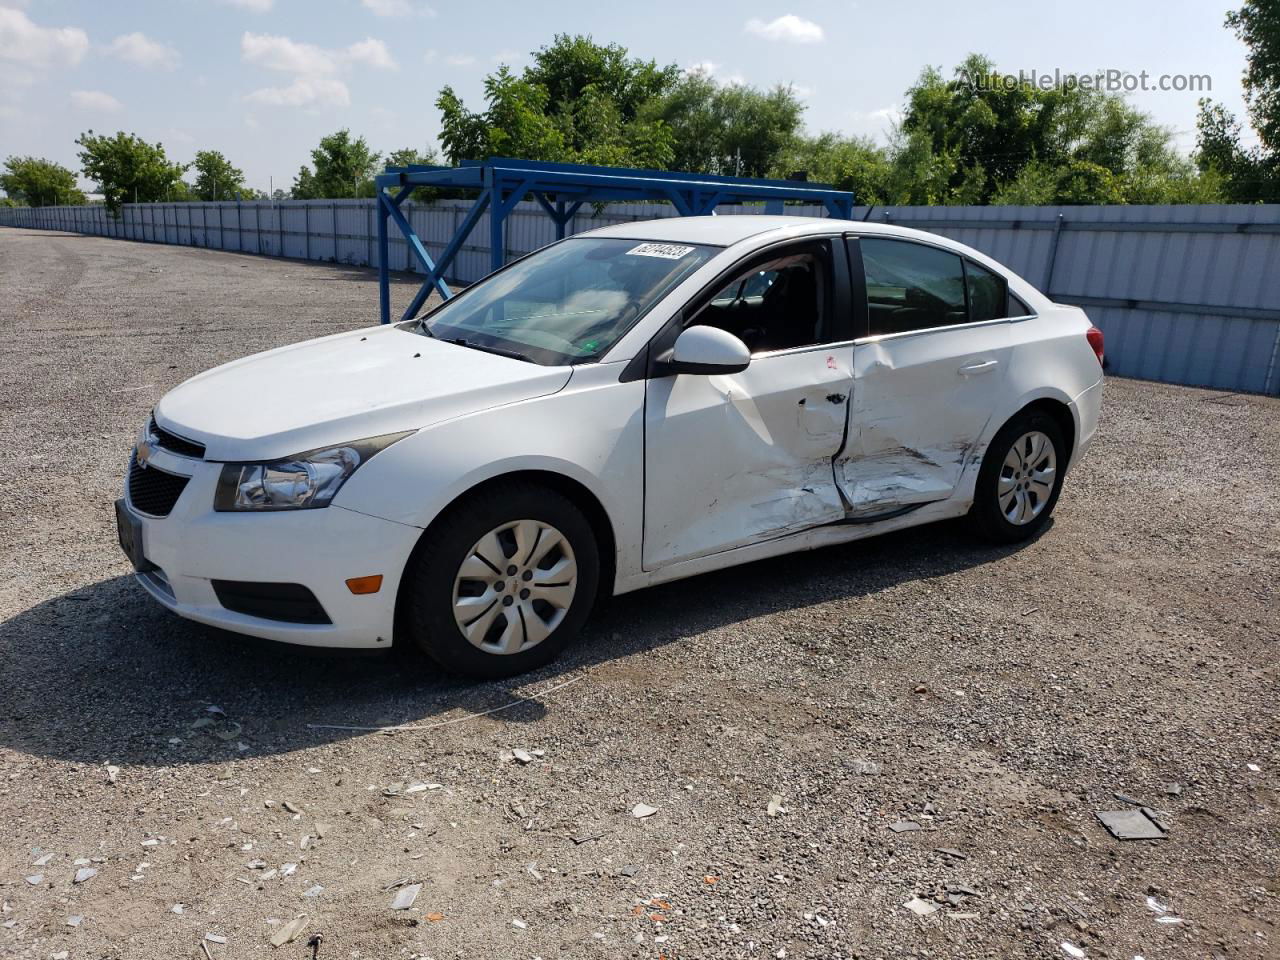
<point x="625" y="407"/>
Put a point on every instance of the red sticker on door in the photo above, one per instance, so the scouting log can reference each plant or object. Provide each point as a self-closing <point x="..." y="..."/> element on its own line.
<point x="831" y="363"/>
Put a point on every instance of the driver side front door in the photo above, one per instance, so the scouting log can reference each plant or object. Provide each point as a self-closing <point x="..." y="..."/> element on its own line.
<point x="736" y="459"/>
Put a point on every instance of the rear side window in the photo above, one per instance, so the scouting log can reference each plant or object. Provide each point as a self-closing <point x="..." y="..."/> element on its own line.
<point x="988" y="294"/>
<point x="1016" y="308"/>
<point x="911" y="286"/>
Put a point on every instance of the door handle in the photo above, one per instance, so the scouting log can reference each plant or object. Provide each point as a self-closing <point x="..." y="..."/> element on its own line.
<point x="986" y="366"/>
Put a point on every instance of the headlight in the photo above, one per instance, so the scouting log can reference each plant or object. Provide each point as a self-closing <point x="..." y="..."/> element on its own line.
<point x="306" y="480"/>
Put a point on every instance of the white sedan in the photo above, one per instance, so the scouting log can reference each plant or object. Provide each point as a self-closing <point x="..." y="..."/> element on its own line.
<point x="622" y="408"/>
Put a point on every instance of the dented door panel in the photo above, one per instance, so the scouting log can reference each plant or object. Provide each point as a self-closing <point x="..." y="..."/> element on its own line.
<point x="921" y="407"/>
<point x="733" y="460"/>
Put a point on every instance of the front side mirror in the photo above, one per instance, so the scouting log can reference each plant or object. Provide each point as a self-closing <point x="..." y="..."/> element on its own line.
<point x="706" y="350"/>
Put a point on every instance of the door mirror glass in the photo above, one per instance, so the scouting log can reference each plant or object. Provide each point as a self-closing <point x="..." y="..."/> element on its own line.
<point x="707" y="350"/>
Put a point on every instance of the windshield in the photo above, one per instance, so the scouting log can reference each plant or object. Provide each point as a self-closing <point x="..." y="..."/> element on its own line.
<point x="567" y="303"/>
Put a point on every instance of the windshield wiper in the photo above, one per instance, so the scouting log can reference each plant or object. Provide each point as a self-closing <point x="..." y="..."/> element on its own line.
<point x="424" y="329"/>
<point x="500" y="351"/>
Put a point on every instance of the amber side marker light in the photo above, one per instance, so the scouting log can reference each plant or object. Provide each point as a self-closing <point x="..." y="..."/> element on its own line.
<point x="359" y="585"/>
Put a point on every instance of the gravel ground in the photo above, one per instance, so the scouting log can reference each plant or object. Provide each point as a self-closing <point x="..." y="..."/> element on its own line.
<point x="996" y="698"/>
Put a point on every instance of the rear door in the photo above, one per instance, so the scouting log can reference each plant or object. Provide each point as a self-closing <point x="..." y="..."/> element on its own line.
<point x="736" y="459"/>
<point x="926" y="377"/>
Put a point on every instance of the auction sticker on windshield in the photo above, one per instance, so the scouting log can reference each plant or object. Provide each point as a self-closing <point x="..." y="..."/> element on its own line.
<point x="666" y="251"/>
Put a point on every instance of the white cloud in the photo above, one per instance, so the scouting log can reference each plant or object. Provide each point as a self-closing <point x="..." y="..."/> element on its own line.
<point x="95" y="100"/>
<point x="397" y="8"/>
<point x="714" y="71"/>
<point x="788" y="28"/>
<point x="316" y="72"/>
<point x="801" y="91"/>
<point x="459" y="60"/>
<point x="304" y="92"/>
<point x="507" y="56"/>
<point x="430" y="56"/>
<point x="253" y="6"/>
<point x="281" y="53"/>
<point x="25" y="42"/>
<point x="141" y="50"/>
<point x="371" y="53"/>
<point x="14" y="80"/>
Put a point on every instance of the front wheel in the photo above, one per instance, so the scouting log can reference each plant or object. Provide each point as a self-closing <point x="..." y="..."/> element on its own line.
<point x="502" y="582"/>
<point x="1020" y="479"/>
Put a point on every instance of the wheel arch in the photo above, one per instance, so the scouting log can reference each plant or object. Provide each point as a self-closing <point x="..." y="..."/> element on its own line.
<point x="1061" y="414"/>
<point x="572" y="490"/>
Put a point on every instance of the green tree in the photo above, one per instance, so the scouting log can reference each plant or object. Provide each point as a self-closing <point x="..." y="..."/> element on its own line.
<point x="568" y="66"/>
<point x="344" y="167"/>
<point x="596" y="94"/>
<point x="216" y="178"/>
<point x="411" y="156"/>
<point x="1257" y="24"/>
<point x="981" y="135"/>
<point x="1248" y="175"/>
<point x="578" y="101"/>
<point x="128" y="169"/>
<point x="515" y="124"/>
<point x="36" y="182"/>
<point x="728" y="129"/>
<point x="857" y="164"/>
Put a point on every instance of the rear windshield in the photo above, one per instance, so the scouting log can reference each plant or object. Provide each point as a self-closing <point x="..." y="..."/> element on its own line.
<point x="567" y="303"/>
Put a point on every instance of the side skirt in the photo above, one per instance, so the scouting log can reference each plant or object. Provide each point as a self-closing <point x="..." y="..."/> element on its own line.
<point x="842" y="531"/>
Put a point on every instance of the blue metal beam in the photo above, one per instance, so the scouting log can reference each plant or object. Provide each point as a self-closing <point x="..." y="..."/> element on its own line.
<point x="502" y="182"/>
<point x="384" y="274"/>
<point x="419" y="251"/>
<point x="447" y="257"/>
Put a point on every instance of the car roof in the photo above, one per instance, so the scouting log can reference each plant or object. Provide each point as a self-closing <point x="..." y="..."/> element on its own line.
<point x="726" y="230"/>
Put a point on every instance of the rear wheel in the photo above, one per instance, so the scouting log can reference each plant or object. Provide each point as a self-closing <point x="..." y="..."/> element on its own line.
<point x="1020" y="479"/>
<point x="504" y="582"/>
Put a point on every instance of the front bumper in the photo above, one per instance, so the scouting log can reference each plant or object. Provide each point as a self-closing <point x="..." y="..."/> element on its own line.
<point x="320" y="549"/>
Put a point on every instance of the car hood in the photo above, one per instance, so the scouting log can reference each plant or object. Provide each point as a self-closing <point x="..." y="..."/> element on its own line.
<point x="342" y="388"/>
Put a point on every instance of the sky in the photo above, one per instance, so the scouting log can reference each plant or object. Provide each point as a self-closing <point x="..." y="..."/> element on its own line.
<point x="263" y="80"/>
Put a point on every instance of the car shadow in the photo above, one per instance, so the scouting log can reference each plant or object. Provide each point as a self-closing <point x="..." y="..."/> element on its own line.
<point x="105" y="675"/>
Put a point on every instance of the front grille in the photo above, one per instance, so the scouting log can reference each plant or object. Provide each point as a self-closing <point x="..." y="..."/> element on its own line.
<point x="153" y="491"/>
<point x="174" y="443"/>
<point x="289" y="602"/>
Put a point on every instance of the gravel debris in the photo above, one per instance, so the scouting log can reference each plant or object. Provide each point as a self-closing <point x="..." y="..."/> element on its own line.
<point x="406" y="896"/>
<point x="1130" y="647"/>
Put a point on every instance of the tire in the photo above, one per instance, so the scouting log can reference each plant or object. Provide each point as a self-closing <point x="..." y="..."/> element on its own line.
<point x="1000" y="516"/>
<point x="469" y="614"/>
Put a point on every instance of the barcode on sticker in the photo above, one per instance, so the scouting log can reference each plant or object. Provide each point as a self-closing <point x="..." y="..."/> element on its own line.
<point x="666" y="251"/>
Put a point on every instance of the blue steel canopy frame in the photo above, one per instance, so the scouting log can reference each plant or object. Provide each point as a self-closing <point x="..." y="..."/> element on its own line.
<point x="560" y="189"/>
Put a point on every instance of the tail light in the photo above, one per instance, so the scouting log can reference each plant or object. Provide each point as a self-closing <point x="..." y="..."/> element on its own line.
<point x="1094" y="336"/>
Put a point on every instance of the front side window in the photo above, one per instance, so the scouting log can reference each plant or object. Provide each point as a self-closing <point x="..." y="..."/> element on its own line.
<point x="567" y="303"/>
<point x="911" y="286"/>
<point x="776" y="304"/>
